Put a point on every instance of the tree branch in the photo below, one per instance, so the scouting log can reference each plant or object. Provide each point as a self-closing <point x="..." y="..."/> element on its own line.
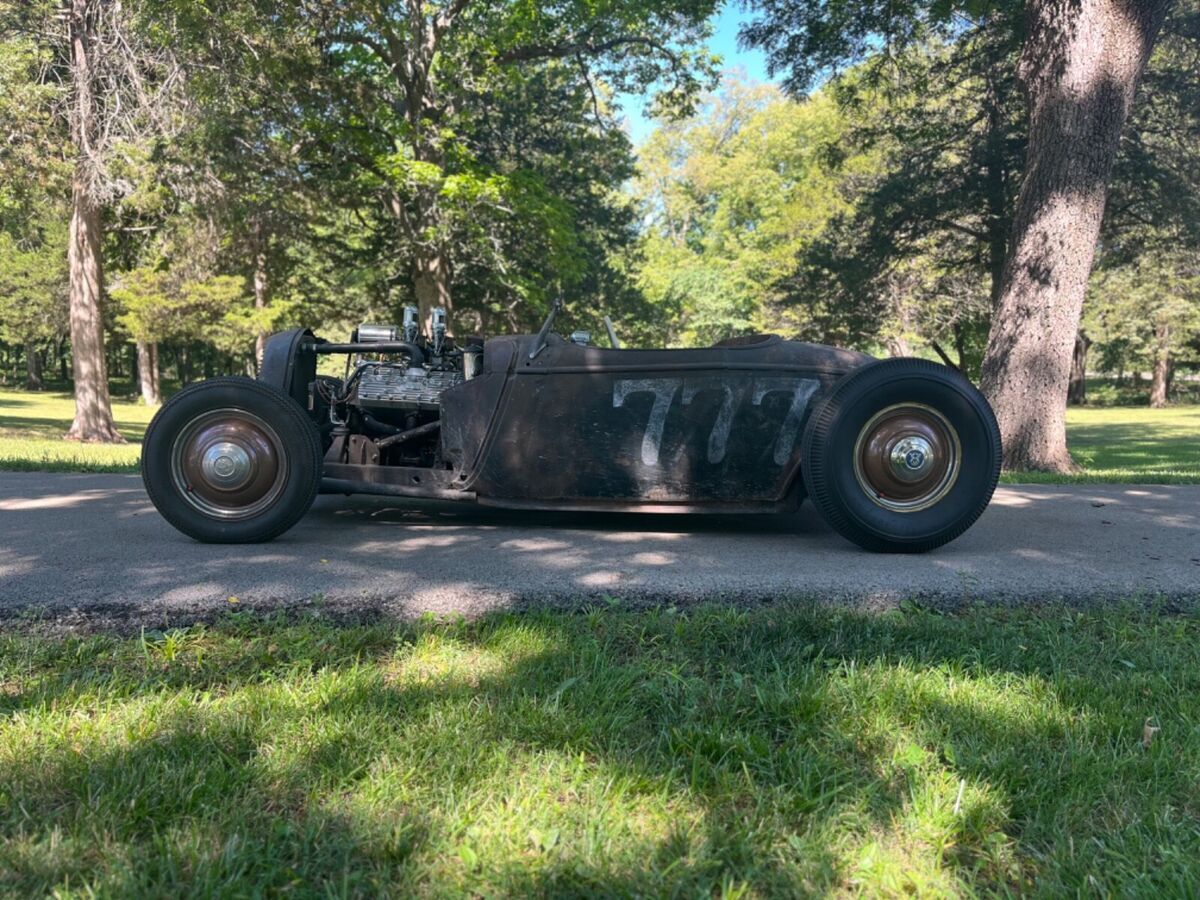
<point x="937" y="348"/>
<point x="580" y="48"/>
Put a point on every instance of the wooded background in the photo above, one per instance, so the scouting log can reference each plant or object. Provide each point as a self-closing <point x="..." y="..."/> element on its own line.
<point x="1013" y="189"/>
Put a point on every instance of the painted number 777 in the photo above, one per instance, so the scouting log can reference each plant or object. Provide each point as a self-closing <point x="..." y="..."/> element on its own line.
<point x="733" y="394"/>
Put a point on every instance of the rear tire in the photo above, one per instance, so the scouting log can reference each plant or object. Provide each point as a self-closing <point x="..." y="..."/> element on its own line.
<point x="232" y="460"/>
<point x="902" y="456"/>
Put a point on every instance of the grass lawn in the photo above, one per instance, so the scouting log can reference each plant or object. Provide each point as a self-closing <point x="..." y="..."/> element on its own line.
<point x="1130" y="444"/>
<point x="1113" y="444"/>
<point x="32" y="425"/>
<point x="716" y="752"/>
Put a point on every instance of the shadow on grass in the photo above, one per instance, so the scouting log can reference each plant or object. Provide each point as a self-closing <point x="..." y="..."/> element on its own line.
<point x="793" y="751"/>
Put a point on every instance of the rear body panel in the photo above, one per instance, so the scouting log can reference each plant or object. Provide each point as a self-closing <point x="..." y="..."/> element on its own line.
<point x="714" y="429"/>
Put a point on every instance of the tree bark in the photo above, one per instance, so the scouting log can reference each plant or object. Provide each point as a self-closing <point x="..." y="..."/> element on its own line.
<point x="1080" y="67"/>
<point x="183" y="367"/>
<point x="148" y="379"/>
<point x="261" y="291"/>
<point x="1160" y="383"/>
<point x="1077" y="389"/>
<point x="60" y="351"/>
<point x="431" y="283"/>
<point x="960" y="346"/>
<point x="33" y="368"/>
<point x="93" y="410"/>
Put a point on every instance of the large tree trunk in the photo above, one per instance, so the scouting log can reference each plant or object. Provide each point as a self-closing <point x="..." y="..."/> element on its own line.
<point x="147" y="366"/>
<point x="1077" y="388"/>
<point x="93" y="410"/>
<point x="431" y="282"/>
<point x="1080" y="66"/>
<point x="1160" y="384"/>
<point x="33" y="368"/>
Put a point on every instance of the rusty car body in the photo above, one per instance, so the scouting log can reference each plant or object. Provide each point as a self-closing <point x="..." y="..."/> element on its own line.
<point x="898" y="455"/>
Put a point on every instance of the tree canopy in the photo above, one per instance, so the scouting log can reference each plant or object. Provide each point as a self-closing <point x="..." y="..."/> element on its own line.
<point x="252" y="165"/>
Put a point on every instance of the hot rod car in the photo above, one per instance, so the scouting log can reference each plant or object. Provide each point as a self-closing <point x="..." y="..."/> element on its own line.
<point x="898" y="455"/>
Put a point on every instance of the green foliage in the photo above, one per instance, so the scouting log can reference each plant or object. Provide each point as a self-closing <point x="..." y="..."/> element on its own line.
<point x="473" y="140"/>
<point x="33" y="282"/>
<point x="730" y="197"/>
<point x="917" y="259"/>
<point x="809" y="38"/>
<point x="33" y="159"/>
<point x="1144" y="307"/>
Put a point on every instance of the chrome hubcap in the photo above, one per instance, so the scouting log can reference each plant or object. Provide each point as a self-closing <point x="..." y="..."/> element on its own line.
<point x="226" y="465"/>
<point x="912" y="458"/>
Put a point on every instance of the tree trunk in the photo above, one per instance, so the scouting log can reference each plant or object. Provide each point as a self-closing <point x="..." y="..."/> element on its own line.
<point x="93" y="410"/>
<point x="1077" y="389"/>
<point x="60" y="350"/>
<point x="33" y="368"/>
<point x="147" y="365"/>
<point x="432" y="286"/>
<point x="960" y="346"/>
<point x="260" y="293"/>
<point x="996" y="178"/>
<point x="183" y="366"/>
<point x="1160" y="384"/>
<point x="1080" y="66"/>
<point x="898" y="347"/>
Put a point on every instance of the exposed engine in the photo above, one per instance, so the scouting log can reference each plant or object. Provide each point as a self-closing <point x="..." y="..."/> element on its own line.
<point x="387" y="408"/>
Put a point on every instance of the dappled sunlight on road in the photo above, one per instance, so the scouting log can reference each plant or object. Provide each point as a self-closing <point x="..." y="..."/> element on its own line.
<point x="533" y="545"/>
<point x="1087" y="542"/>
<point x="64" y="501"/>
<point x="637" y="538"/>
<point x="653" y="559"/>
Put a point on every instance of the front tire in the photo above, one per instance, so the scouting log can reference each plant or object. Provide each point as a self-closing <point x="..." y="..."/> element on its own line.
<point x="231" y="461"/>
<point x="902" y="456"/>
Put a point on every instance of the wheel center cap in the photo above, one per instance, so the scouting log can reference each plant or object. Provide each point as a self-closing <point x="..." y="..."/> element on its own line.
<point x="912" y="458"/>
<point x="226" y="465"/>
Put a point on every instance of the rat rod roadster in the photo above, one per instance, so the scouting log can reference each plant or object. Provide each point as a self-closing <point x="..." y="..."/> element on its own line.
<point x="898" y="455"/>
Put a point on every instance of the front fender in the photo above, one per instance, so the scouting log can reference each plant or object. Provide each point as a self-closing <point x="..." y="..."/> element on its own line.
<point x="287" y="366"/>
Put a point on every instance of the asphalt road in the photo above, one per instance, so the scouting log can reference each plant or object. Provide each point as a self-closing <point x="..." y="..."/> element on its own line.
<point x="92" y="546"/>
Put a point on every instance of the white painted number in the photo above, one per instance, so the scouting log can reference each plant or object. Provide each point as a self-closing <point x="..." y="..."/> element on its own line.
<point x="665" y="389"/>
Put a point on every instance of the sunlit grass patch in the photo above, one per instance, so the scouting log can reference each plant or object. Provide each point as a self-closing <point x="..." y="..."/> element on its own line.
<point x="717" y="752"/>
<point x="1129" y="445"/>
<point x="32" y="425"/>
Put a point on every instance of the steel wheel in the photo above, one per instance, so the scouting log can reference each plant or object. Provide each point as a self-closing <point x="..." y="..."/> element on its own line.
<point x="229" y="464"/>
<point x="907" y="457"/>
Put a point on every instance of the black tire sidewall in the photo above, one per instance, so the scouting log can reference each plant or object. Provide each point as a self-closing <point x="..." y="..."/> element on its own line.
<point x="829" y="443"/>
<point x="298" y="438"/>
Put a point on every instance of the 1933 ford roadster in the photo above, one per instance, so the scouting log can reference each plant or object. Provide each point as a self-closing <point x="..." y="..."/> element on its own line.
<point x="898" y="455"/>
